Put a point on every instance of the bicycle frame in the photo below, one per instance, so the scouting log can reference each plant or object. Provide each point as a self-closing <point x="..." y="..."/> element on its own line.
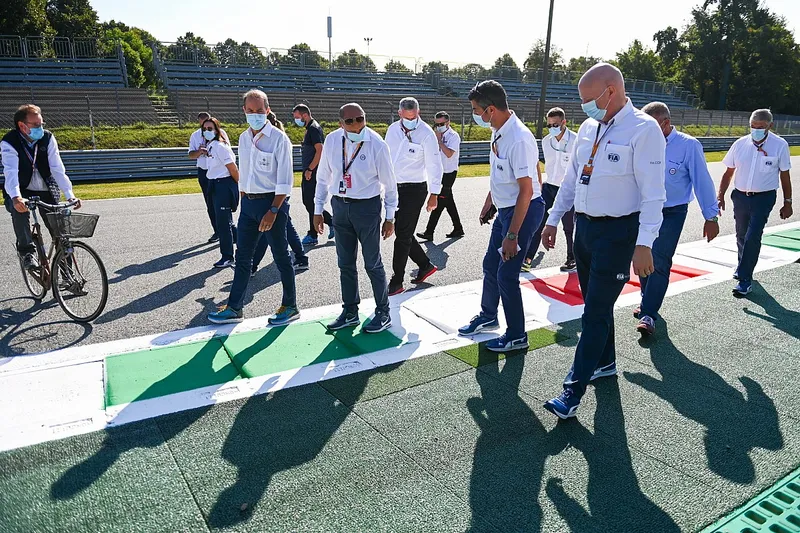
<point x="44" y="277"/>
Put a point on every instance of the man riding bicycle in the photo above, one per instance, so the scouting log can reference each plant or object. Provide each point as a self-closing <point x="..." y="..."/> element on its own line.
<point x="32" y="166"/>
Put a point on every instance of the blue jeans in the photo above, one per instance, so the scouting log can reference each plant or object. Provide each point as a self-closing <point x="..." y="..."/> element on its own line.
<point x="549" y="193"/>
<point x="224" y="193"/>
<point x="249" y="219"/>
<point x="202" y="179"/>
<point x="654" y="286"/>
<point x="501" y="278"/>
<point x="360" y="223"/>
<point x="751" y="214"/>
<point x="294" y="243"/>
<point x="603" y="253"/>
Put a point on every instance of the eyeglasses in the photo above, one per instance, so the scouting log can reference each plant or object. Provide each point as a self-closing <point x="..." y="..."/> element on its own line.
<point x="40" y="125"/>
<point x="554" y="125"/>
<point x="350" y="121"/>
<point x="441" y="123"/>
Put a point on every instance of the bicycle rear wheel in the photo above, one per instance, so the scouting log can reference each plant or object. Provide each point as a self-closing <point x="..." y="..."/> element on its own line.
<point x="80" y="282"/>
<point x="31" y="278"/>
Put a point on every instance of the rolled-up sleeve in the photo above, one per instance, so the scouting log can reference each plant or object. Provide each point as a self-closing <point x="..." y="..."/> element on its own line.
<point x="57" y="169"/>
<point x="324" y="175"/>
<point x="285" y="177"/>
<point x="649" y="152"/>
<point x="10" y="162"/>
<point x="433" y="164"/>
<point x="565" y="198"/>
<point x="702" y="182"/>
<point x="388" y="181"/>
<point x="784" y="161"/>
<point x="730" y="158"/>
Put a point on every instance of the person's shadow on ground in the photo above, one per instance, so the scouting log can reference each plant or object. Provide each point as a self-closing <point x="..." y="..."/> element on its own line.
<point x="160" y="264"/>
<point x="734" y="428"/>
<point x="783" y="319"/>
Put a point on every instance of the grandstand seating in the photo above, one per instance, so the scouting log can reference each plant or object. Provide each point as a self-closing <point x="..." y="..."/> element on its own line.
<point x="70" y="72"/>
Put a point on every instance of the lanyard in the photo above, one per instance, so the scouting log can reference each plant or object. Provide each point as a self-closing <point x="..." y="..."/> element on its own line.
<point x="346" y="166"/>
<point x="27" y="150"/>
<point x="760" y="146"/>
<point x="566" y="142"/>
<point x="406" y="132"/>
<point x="494" y="145"/>
<point x="597" y="139"/>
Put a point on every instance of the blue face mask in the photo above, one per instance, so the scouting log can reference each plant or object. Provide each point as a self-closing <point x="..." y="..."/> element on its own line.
<point x="299" y="122"/>
<point x="410" y="124"/>
<point x="357" y="137"/>
<point x="758" y="134"/>
<point x="256" y="120"/>
<point x="480" y="122"/>
<point x="555" y="132"/>
<point x="591" y="109"/>
<point x="441" y="129"/>
<point x="36" y="133"/>
<point x="209" y="135"/>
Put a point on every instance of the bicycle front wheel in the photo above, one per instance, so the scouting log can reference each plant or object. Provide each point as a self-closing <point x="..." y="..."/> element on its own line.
<point x="31" y="278"/>
<point x="80" y="282"/>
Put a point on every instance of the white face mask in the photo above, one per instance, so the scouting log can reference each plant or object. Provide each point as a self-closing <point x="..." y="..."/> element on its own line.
<point x="441" y="129"/>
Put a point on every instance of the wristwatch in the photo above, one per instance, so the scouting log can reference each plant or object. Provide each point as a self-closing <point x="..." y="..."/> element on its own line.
<point x="787" y="200"/>
<point x="390" y="220"/>
<point x="274" y="209"/>
<point x="511" y="236"/>
<point x="713" y="219"/>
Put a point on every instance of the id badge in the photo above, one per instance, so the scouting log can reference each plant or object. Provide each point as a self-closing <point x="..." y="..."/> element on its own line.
<point x="348" y="181"/>
<point x="342" y="188"/>
<point x="586" y="175"/>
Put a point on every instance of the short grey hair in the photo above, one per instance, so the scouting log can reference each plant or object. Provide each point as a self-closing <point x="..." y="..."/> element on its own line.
<point x="409" y="103"/>
<point x="761" y="115"/>
<point x="657" y="110"/>
<point x="255" y="93"/>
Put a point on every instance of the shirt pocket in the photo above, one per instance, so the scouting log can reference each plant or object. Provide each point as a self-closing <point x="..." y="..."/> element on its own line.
<point x="265" y="161"/>
<point x="674" y="169"/>
<point x="414" y="151"/>
<point x="501" y="170"/>
<point x="616" y="159"/>
<point x="769" y="164"/>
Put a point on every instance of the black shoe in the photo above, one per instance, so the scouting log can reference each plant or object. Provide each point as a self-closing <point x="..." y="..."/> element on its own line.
<point x="213" y="238"/>
<point x="424" y="274"/>
<point x="30" y="261"/>
<point x="380" y="322"/>
<point x="395" y="289"/>
<point x="425" y="236"/>
<point x="455" y="234"/>
<point x="569" y="266"/>
<point x="345" y="320"/>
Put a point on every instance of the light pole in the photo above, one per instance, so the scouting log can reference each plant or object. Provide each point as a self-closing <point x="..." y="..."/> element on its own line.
<point x="544" y="73"/>
<point x="368" y="40"/>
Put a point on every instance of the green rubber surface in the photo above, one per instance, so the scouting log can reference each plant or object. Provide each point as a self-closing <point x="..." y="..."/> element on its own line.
<point x="361" y="342"/>
<point x="152" y="373"/>
<point x="788" y="240"/>
<point x="477" y="355"/>
<point x="776" y="510"/>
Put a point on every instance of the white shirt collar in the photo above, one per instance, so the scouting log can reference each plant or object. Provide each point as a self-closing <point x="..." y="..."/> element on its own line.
<point x="506" y="126"/>
<point x="672" y="134"/>
<point x="266" y="130"/>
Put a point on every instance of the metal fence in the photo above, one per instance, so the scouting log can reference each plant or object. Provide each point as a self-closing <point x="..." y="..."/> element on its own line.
<point x="109" y="165"/>
<point x="38" y="47"/>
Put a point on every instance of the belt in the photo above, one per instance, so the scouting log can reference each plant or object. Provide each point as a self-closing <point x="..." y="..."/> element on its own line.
<point x="603" y="219"/>
<point x="753" y="193"/>
<point x="412" y="184"/>
<point x="349" y="200"/>
<point x="258" y="196"/>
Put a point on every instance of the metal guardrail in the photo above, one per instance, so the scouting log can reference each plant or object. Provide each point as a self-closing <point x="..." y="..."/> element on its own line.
<point x="155" y="163"/>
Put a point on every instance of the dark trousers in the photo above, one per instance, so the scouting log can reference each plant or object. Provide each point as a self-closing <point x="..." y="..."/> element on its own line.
<point x="654" y="286"/>
<point x="751" y="214"/>
<point x="224" y="193"/>
<point x="411" y="198"/>
<point x="603" y="253"/>
<point x="445" y="201"/>
<point x="203" y="181"/>
<point x="253" y="210"/>
<point x="501" y="278"/>
<point x="294" y="244"/>
<point x="360" y="223"/>
<point x="22" y="221"/>
<point x="549" y="193"/>
<point x="308" y="188"/>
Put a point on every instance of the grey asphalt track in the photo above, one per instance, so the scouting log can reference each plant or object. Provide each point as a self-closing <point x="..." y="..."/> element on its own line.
<point x="161" y="277"/>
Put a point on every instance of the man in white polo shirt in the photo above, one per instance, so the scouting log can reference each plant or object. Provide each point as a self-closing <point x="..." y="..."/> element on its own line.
<point x="556" y="146"/>
<point x="760" y="162"/>
<point x="418" y="168"/>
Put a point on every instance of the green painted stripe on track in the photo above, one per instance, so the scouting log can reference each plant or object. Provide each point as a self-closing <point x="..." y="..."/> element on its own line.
<point x="477" y="355"/>
<point x="788" y="240"/>
<point x="152" y="373"/>
<point x="161" y="371"/>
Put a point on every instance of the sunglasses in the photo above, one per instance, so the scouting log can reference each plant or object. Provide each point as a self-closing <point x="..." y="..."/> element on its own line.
<point x="554" y="125"/>
<point x="440" y="123"/>
<point x="350" y="121"/>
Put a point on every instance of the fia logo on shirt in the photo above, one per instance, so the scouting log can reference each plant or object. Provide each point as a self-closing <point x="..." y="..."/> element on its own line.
<point x="614" y="158"/>
<point x="412" y="150"/>
<point x="673" y="171"/>
<point x="363" y="157"/>
<point x="500" y="167"/>
<point x="768" y="163"/>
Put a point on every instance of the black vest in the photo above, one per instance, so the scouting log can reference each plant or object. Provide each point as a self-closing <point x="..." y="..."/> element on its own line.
<point x="15" y="139"/>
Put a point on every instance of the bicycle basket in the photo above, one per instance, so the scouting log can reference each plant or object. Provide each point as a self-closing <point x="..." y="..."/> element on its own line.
<point x="70" y="224"/>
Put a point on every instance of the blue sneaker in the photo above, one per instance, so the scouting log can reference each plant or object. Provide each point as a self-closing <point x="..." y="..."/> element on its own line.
<point x="564" y="405"/>
<point x="742" y="289"/>
<point x="478" y="324"/>
<point x="226" y="315"/>
<point x="380" y="322"/>
<point x="507" y="344"/>
<point x="284" y="315"/>
<point x="308" y="240"/>
<point x="331" y="235"/>
<point x="604" y="371"/>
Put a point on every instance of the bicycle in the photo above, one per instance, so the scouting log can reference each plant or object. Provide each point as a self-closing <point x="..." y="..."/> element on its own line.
<point x="72" y="269"/>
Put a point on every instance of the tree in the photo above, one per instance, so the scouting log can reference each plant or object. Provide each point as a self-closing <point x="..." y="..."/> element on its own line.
<point x="582" y="64"/>
<point x="354" y="60"/>
<point x="397" y="66"/>
<point x="72" y="18"/>
<point x="232" y="53"/>
<point x="471" y="71"/>
<point x="302" y="55"/>
<point x="535" y="60"/>
<point x="639" y="62"/>
<point x="24" y="17"/>
<point x="505" y="67"/>
<point x="191" y="48"/>
<point x="436" y="67"/>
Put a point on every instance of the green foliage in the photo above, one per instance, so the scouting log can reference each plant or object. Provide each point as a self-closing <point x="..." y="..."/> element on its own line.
<point x="639" y="62"/>
<point x="472" y="71"/>
<point x="25" y="17"/>
<point x="581" y="64"/>
<point x="354" y="61"/>
<point x="190" y="48"/>
<point x="396" y="66"/>
<point x="72" y="18"/>
<point x="505" y="67"/>
<point x="535" y="60"/>
<point x="436" y="67"/>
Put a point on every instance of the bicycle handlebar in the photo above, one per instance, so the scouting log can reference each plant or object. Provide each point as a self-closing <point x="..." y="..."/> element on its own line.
<point x="61" y="205"/>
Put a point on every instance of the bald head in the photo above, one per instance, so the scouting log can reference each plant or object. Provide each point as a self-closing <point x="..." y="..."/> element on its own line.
<point x="355" y="114"/>
<point x="604" y="84"/>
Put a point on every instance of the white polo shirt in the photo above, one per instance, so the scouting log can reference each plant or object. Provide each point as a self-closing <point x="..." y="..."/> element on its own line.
<point x="195" y="142"/>
<point x="452" y="140"/>
<point x="517" y="156"/>
<point x="415" y="155"/>
<point x="219" y="156"/>
<point x="370" y="172"/>
<point x="756" y="171"/>
<point x="628" y="174"/>
<point x="265" y="162"/>
<point x="556" y="157"/>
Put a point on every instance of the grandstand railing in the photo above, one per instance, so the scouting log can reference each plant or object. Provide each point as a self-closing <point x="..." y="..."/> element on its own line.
<point x="109" y="165"/>
<point x="38" y="47"/>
